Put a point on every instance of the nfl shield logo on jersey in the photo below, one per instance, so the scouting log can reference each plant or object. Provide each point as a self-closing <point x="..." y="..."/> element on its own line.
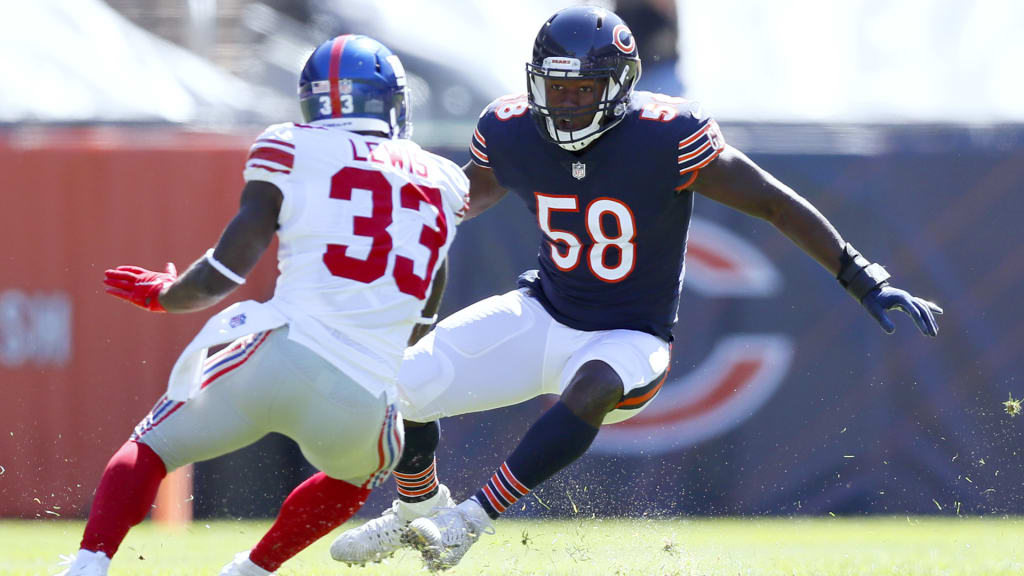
<point x="579" y="170"/>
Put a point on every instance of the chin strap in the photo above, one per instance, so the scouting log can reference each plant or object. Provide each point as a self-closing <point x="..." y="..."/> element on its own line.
<point x="858" y="276"/>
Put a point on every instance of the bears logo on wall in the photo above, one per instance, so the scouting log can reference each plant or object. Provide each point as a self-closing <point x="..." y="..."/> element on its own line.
<point x="739" y="374"/>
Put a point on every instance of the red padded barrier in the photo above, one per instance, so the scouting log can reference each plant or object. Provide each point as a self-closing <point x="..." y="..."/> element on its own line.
<point x="78" y="368"/>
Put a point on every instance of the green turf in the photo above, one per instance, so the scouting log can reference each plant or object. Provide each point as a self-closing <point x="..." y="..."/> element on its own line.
<point x="706" y="547"/>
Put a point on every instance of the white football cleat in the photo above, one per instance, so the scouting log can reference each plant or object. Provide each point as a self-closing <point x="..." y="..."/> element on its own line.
<point x="381" y="537"/>
<point x="85" y="563"/>
<point x="444" y="538"/>
<point x="242" y="566"/>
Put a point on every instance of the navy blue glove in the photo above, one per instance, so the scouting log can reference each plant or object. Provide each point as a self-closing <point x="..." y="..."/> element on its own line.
<point x="868" y="284"/>
<point x="886" y="297"/>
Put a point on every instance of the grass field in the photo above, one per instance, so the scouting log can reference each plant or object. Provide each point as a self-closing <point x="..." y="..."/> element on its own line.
<point x="826" y="547"/>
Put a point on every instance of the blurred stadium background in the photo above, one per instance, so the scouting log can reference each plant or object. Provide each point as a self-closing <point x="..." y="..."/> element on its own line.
<point x="124" y="126"/>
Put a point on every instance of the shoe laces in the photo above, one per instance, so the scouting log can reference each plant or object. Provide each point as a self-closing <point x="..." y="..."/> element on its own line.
<point x="485" y="527"/>
<point x="388" y="523"/>
<point x="480" y="522"/>
<point x="454" y="523"/>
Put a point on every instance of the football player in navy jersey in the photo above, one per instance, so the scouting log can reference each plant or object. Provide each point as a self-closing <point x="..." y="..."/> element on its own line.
<point x="610" y="175"/>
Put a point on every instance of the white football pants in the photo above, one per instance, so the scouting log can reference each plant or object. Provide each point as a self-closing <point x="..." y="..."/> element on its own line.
<point x="507" y="349"/>
<point x="265" y="383"/>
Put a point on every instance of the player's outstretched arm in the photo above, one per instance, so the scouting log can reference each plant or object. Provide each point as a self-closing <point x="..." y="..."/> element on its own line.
<point x="484" y="189"/>
<point x="218" y="272"/>
<point x="736" y="181"/>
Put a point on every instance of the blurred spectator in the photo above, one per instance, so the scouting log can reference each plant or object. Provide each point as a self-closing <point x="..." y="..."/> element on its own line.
<point x="653" y="22"/>
<point x="298" y="10"/>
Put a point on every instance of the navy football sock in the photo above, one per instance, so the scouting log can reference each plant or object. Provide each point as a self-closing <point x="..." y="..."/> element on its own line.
<point x="416" y="474"/>
<point x="556" y="440"/>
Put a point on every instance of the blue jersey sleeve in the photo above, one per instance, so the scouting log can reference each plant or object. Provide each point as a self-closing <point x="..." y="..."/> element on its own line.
<point x="501" y="110"/>
<point x="678" y="127"/>
<point x="700" y="142"/>
<point x="478" y="146"/>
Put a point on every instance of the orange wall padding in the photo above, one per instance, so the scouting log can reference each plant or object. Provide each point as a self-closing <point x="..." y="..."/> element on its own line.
<point x="79" y="368"/>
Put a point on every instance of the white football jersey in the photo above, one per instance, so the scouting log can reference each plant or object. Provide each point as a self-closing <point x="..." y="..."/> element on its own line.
<point x="363" y="228"/>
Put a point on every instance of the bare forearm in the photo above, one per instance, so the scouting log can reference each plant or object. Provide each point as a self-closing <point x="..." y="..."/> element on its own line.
<point x="802" y="223"/>
<point x="201" y="286"/>
<point x="736" y="181"/>
<point x="241" y="244"/>
<point x="484" y="190"/>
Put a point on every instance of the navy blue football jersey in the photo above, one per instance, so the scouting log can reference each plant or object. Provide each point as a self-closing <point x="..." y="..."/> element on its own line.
<point x="614" y="216"/>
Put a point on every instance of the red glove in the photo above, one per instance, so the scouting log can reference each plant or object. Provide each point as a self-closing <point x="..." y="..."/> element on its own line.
<point x="139" y="286"/>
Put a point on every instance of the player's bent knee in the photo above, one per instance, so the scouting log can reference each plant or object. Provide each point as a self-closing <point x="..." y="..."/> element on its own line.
<point x="594" y="391"/>
<point x="164" y="452"/>
<point x="634" y="401"/>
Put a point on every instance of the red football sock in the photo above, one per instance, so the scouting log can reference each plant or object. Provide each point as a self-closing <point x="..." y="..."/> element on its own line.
<point x="123" y="498"/>
<point x="317" y="506"/>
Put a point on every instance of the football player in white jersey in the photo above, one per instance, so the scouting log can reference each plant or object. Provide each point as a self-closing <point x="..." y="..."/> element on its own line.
<point x="364" y="219"/>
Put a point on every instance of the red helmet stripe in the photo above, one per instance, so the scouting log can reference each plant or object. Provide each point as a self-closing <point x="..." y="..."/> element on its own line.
<point x="337" y="49"/>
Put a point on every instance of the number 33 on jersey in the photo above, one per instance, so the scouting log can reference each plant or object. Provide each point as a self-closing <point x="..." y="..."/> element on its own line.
<point x="358" y="211"/>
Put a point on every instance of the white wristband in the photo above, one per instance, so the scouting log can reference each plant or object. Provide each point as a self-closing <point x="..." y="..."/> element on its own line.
<point x="428" y="320"/>
<point x="223" y="269"/>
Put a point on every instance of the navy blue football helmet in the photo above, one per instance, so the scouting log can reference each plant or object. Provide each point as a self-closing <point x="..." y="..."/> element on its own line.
<point x="359" y="82"/>
<point x="582" y="42"/>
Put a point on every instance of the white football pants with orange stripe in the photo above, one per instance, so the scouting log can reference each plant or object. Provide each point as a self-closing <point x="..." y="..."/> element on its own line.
<point x="507" y="349"/>
<point x="265" y="383"/>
